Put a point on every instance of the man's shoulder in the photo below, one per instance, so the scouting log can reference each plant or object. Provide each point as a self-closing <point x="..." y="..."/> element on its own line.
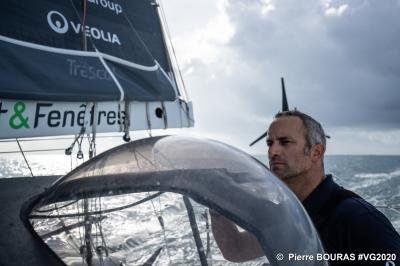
<point x="353" y="207"/>
<point x="358" y="213"/>
<point x="365" y="226"/>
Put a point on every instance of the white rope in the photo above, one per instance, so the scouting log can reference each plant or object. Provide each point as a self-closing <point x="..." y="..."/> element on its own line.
<point x="121" y="90"/>
<point x="23" y="154"/>
<point x="78" y="53"/>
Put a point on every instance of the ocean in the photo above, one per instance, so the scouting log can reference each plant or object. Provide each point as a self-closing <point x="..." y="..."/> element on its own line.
<point x="376" y="178"/>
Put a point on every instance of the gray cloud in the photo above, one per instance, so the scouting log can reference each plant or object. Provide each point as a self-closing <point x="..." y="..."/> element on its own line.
<point x="345" y="69"/>
<point x="340" y="60"/>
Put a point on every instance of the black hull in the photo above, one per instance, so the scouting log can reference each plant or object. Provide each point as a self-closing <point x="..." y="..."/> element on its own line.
<point x="17" y="244"/>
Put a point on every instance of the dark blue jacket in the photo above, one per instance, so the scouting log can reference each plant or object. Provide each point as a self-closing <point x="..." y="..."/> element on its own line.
<point x="348" y="224"/>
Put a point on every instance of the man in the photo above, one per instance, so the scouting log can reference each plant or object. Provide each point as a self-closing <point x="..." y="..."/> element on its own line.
<point x="345" y="222"/>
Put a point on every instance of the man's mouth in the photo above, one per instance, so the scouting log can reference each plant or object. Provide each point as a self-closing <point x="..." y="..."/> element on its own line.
<point x="276" y="163"/>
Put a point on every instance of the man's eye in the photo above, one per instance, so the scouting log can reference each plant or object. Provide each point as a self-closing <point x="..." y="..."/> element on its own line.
<point x="269" y="143"/>
<point x="285" y="142"/>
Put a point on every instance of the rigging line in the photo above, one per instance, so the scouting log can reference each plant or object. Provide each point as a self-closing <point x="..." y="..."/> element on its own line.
<point x="100" y="56"/>
<point x="6" y="152"/>
<point x="79" y="53"/>
<point x="80" y="220"/>
<point x="186" y="111"/>
<point x="97" y="212"/>
<point x="101" y="231"/>
<point x="195" y="230"/>
<point x="92" y="141"/>
<point x="23" y="154"/>
<point x="149" y="52"/>
<point x="148" y="118"/>
<point x="55" y="138"/>
<point x="164" y="115"/>
<point x="206" y="216"/>
<point x="161" y="221"/>
<point x="87" y="225"/>
<point x="67" y="227"/>
<point x="150" y="261"/>
<point x="84" y="38"/>
<point x="138" y="36"/>
<point x="173" y="84"/>
<point x="127" y="121"/>
<point x="57" y="207"/>
<point x="164" y="18"/>
<point x="70" y="157"/>
<point x="68" y="233"/>
<point x="171" y="73"/>
<point x="121" y="90"/>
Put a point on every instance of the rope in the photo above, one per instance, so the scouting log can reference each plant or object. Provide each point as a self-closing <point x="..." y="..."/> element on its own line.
<point x="161" y="221"/>
<point x="195" y="231"/>
<point x="126" y="122"/>
<point x="57" y="207"/>
<point x="96" y="212"/>
<point x="23" y="154"/>
<point x="84" y="37"/>
<point x="163" y="17"/>
<point x="164" y="115"/>
<point x="6" y="152"/>
<point x="186" y="111"/>
<point x="138" y="36"/>
<point x="148" y="119"/>
<point x="92" y="141"/>
<point x="54" y="138"/>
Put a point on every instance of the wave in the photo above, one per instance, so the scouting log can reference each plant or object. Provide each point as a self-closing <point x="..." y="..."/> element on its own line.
<point x="395" y="173"/>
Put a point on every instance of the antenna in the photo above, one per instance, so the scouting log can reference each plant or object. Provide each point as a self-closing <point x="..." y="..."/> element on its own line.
<point x="285" y="107"/>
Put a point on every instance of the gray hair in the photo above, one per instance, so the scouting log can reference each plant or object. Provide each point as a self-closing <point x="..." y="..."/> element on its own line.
<point x="314" y="133"/>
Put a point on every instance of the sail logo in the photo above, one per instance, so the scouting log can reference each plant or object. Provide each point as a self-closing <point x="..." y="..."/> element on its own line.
<point x="108" y="4"/>
<point x="59" y="24"/>
<point x="17" y="120"/>
<point x="43" y="114"/>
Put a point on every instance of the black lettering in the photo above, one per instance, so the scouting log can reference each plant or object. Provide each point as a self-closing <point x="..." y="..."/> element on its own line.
<point x="81" y="118"/>
<point x="53" y="115"/>
<point x="99" y="116"/>
<point x="121" y="117"/>
<point x="111" y="118"/>
<point x="2" y="111"/>
<point x="66" y="113"/>
<point x="38" y="114"/>
<point x="81" y="115"/>
<point x="91" y="115"/>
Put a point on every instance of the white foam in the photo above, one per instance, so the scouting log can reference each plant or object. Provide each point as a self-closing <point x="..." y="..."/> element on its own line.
<point x="395" y="173"/>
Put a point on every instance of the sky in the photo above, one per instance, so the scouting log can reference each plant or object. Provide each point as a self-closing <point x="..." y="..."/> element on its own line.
<point x="340" y="60"/>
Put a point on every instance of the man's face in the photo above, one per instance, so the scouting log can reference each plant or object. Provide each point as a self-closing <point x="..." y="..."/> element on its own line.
<point x="287" y="148"/>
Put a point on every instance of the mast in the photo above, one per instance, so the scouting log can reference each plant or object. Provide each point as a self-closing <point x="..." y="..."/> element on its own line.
<point x="285" y="107"/>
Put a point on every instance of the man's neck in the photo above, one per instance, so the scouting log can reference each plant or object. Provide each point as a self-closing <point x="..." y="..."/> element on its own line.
<point x="304" y="184"/>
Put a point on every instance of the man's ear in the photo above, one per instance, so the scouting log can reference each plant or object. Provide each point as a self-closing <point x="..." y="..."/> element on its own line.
<point x="317" y="152"/>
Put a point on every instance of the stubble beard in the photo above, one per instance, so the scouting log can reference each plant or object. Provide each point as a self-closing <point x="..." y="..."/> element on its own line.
<point x="287" y="174"/>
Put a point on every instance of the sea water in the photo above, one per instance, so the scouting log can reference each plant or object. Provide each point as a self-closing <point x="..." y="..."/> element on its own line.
<point x="376" y="178"/>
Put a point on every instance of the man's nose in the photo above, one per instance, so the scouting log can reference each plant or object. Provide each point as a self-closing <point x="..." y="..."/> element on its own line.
<point x="273" y="150"/>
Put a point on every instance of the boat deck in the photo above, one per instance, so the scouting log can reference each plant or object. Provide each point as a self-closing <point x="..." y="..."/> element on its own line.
<point x="17" y="245"/>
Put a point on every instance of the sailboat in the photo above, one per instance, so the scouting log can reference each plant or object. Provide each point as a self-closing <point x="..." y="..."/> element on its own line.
<point x="88" y="67"/>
